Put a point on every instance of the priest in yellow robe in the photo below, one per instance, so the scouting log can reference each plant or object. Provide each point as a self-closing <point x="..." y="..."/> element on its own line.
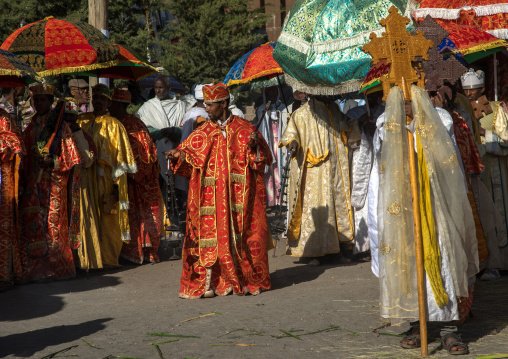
<point x="319" y="207"/>
<point x="115" y="161"/>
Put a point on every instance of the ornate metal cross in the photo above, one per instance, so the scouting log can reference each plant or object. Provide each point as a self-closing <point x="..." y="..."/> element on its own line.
<point x="399" y="48"/>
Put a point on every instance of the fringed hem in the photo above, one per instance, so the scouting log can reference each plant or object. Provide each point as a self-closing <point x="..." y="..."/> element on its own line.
<point x="124" y="168"/>
<point x="499" y="33"/>
<point x="326" y="90"/>
<point x="453" y="14"/>
<point x="485" y="47"/>
<point x="84" y="68"/>
<point x="126" y="237"/>
<point x="19" y="73"/>
<point x="124" y="205"/>
<point x="327" y="46"/>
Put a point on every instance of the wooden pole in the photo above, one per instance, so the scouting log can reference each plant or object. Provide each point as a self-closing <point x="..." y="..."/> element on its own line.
<point x="420" y="274"/>
<point x="98" y="18"/>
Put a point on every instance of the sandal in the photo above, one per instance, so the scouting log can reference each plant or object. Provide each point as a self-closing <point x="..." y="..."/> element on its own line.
<point x="413" y="337"/>
<point x="456" y="342"/>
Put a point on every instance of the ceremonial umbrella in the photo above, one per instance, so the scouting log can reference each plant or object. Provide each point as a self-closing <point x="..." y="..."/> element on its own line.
<point x="256" y="66"/>
<point x="128" y="68"/>
<point x="467" y="43"/>
<point x="54" y="47"/>
<point x="319" y="46"/>
<point x="487" y="15"/>
<point x="15" y="72"/>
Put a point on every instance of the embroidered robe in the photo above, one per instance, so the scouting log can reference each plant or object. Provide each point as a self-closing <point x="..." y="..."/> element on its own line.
<point x="115" y="161"/>
<point x="225" y="247"/>
<point x="46" y="248"/>
<point x="146" y="208"/>
<point x="11" y="149"/>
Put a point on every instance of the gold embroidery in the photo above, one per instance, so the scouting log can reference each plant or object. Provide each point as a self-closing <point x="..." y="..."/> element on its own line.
<point x="394" y="208"/>
<point x="208" y="181"/>
<point x="207" y="211"/>
<point x="207" y="242"/>
<point x="392" y="127"/>
<point x="238" y="178"/>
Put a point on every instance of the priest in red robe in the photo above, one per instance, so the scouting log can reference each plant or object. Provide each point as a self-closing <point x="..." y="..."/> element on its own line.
<point x="146" y="208"/>
<point x="11" y="149"/>
<point x="52" y="151"/>
<point x="227" y="236"/>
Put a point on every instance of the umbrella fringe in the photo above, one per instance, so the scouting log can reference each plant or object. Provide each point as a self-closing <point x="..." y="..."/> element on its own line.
<point x="67" y="70"/>
<point x="499" y="33"/>
<point x="342" y="88"/>
<point x="327" y="46"/>
<point x="452" y="14"/>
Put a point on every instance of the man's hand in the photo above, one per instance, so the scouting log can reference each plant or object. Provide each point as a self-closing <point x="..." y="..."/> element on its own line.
<point x="173" y="154"/>
<point x="293" y="147"/>
<point x="409" y="109"/>
<point x="481" y="130"/>
<point x="47" y="162"/>
<point x="253" y="140"/>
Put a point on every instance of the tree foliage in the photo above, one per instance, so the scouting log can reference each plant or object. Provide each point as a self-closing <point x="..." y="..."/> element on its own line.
<point x="208" y="36"/>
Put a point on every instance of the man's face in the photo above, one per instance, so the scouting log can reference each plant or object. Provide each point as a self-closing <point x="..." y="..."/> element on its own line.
<point x="271" y="94"/>
<point x="215" y="110"/>
<point x="100" y="103"/>
<point x="81" y="94"/>
<point x="161" y="90"/>
<point x="474" y="94"/>
<point x="42" y="104"/>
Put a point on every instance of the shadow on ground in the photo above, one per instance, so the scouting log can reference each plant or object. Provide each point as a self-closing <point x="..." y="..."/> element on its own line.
<point x="25" y="345"/>
<point x="36" y="300"/>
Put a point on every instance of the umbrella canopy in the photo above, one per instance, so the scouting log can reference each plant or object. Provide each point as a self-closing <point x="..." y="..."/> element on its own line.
<point x="467" y="43"/>
<point x="487" y="15"/>
<point x="128" y="68"/>
<point x="319" y="48"/>
<point x="54" y="47"/>
<point x="256" y="65"/>
<point x="15" y="72"/>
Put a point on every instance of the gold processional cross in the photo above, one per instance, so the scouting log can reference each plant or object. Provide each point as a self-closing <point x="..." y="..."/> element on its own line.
<point x="399" y="48"/>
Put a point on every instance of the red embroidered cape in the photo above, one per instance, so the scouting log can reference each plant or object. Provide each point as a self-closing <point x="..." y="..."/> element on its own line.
<point x="471" y="158"/>
<point x="146" y="210"/>
<point x="46" y="250"/>
<point x="11" y="147"/>
<point x="225" y="247"/>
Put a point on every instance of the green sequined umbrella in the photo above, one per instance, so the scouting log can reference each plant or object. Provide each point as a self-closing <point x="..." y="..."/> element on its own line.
<point x="319" y="48"/>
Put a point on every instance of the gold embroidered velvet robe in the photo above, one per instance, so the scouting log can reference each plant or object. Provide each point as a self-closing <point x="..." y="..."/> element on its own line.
<point x="319" y="204"/>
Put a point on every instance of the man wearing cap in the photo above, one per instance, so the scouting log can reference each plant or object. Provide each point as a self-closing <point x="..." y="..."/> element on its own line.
<point x="115" y="161"/>
<point x="492" y="117"/>
<point x="225" y="248"/>
<point x="45" y="171"/>
<point x="198" y="110"/>
<point x="79" y="90"/>
<point x="11" y="149"/>
<point x="146" y="208"/>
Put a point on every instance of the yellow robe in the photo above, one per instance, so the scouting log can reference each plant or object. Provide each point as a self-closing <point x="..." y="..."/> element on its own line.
<point x="319" y="190"/>
<point x="115" y="161"/>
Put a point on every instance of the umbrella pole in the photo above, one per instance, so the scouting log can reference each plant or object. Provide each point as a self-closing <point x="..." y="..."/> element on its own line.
<point x="283" y="96"/>
<point x="495" y="77"/>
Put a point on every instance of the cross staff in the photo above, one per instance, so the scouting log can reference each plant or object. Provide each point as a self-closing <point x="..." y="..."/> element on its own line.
<point x="399" y="48"/>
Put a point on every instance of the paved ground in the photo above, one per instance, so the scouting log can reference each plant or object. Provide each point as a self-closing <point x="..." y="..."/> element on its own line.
<point x="311" y="312"/>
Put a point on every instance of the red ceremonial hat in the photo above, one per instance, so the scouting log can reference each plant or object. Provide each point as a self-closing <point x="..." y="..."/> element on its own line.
<point x="121" y="96"/>
<point x="215" y="93"/>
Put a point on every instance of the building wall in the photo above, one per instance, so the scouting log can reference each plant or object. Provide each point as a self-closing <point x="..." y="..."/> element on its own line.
<point x="276" y="10"/>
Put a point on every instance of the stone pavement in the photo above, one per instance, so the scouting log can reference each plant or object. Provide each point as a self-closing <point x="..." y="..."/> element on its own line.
<point x="310" y="312"/>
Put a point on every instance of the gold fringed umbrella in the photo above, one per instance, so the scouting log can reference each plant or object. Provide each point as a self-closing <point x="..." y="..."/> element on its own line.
<point x="53" y="47"/>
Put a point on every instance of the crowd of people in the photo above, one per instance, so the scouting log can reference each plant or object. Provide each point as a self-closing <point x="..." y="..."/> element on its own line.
<point x="82" y="186"/>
